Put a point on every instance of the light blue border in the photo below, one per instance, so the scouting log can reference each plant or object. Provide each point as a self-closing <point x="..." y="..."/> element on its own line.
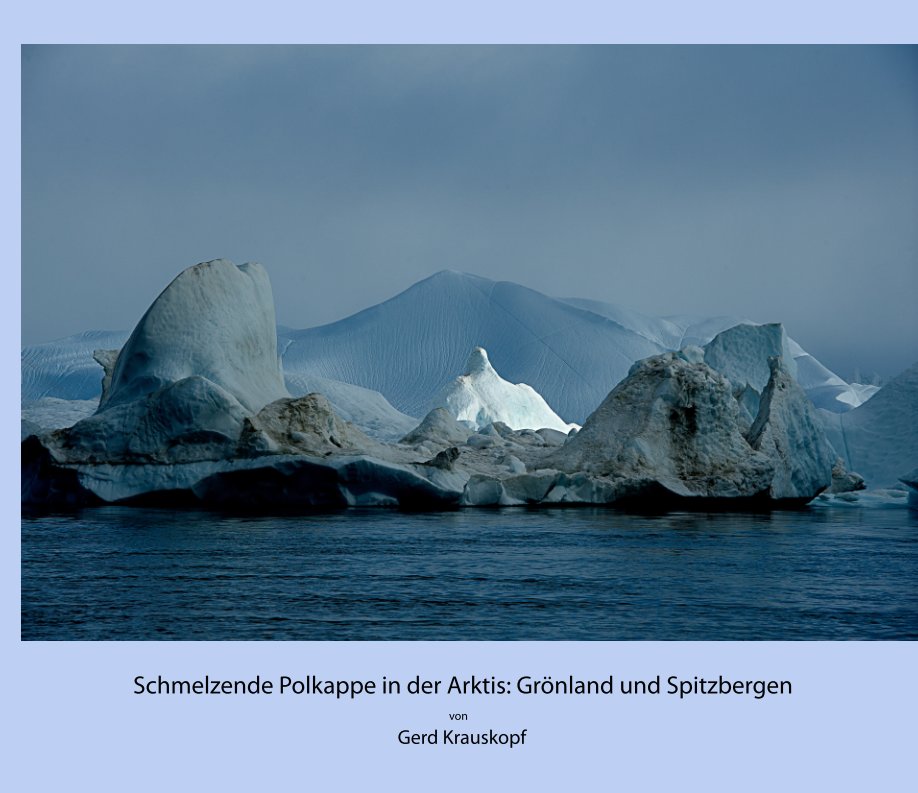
<point x="71" y="722"/>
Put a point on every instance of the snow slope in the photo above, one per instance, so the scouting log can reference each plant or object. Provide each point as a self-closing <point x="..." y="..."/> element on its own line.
<point x="481" y="396"/>
<point x="670" y="333"/>
<point x="64" y="368"/>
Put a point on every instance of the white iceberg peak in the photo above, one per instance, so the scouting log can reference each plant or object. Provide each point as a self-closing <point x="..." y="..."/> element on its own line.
<point x="478" y="362"/>
<point x="481" y="397"/>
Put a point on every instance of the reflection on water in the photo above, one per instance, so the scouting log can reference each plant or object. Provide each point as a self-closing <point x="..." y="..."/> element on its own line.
<point x="119" y="573"/>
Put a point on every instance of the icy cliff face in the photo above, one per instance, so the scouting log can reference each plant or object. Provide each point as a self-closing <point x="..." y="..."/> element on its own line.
<point x="788" y="431"/>
<point x="741" y="354"/>
<point x="879" y="439"/>
<point x="481" y="396"/>
<point x="214" y="321"/>
<point x="192" y="419"/>
<point x="674" y="422"/>
<point x="107" y="360"/>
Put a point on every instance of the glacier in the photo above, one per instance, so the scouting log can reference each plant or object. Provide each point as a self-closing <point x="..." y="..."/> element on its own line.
<point x="196" y="409"/>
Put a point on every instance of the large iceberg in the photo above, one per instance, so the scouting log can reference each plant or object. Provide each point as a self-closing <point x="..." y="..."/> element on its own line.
<point x="480" y="396"/>
<point x="675" y="425"/>
<point x="232" y="341"/>
<point x="673" y="421"/>
<point x="195" y="410"/>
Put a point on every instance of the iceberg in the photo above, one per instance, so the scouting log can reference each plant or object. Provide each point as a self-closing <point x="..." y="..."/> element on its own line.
<point x="673" y="433"/>
<point x="195" y="409"/>
<point x="879" y="439"/>
<point x="741" y="354"/>
<point x="674" y="425"/>
<point x="408" y="349"/>
<point x="788" y="431"/>
<point x="910" y="480"/>
<point x="480" y="397"/>
<point x="438" y="428"/>
<point x="232" y="341"/>
<point x="366" y="409"/>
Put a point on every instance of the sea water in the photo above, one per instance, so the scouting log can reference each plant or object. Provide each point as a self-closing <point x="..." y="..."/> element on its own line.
<point x="474" y="574"/>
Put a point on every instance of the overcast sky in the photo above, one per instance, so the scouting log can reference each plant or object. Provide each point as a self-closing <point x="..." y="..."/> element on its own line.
<point x="773" y="183"/>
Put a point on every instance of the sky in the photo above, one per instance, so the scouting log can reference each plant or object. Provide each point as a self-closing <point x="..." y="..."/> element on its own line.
<point x="773" y="183"/>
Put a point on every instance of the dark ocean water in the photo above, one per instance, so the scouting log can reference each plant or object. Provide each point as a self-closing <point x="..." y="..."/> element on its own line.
<point x="122" y="573"/>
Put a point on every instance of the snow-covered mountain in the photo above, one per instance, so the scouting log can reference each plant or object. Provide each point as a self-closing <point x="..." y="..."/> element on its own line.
<point x="481" y="396"/>
<point x="409" y="348"/>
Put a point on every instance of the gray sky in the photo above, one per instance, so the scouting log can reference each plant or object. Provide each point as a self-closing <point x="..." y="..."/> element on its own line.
<point x="775" y="183"/>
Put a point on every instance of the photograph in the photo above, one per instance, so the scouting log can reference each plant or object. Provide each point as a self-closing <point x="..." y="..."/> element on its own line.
<point x="469" y="343"/>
